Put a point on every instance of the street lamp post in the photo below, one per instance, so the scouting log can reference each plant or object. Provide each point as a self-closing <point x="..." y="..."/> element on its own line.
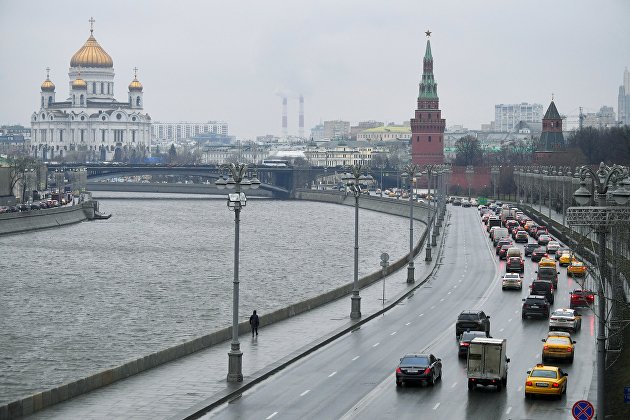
<point x="411" y="172"/>
<point x="429" y="172"/>
<point x="470" y="170"/>
<point x="494" y="171"/>
<point x="353" y="182"/>
<point x="237" y="180"/>
<point x="601" y="217"/>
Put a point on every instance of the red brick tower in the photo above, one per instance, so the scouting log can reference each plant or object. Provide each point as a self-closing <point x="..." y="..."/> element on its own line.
<point x="427" y="127"/>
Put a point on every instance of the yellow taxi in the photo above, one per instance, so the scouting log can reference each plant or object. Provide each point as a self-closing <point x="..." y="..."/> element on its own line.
<point x="545" y="380"/>
<point x="547" y="262"/>
<point x="558" y="345"/>
<point x="577" y="269"/>
<point x="528" y="224"/>
<point x="565" y="258"/>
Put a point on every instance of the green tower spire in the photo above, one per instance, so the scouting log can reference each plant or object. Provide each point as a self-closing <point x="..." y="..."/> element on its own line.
<point x="428" y="85"/>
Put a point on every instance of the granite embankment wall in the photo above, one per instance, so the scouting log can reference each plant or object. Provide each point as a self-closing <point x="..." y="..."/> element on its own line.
<point x="39" y="401"/>
<point x="46" y="218"/>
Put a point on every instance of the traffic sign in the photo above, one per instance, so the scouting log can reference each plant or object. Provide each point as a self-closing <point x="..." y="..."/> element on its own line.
<point x="583" y="410"/>
<point x="626" y="394"/>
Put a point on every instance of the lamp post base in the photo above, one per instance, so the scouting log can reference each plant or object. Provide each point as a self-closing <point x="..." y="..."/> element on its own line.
<point x="235" y="364"/>
<point x="428" y="257"/>
<point x="355" y="306"/>
<point x="411" y="278"/>
<point x="434" y="239"/>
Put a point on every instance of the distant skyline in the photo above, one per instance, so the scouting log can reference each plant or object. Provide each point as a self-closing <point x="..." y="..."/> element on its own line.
<point x="352" y="60"/>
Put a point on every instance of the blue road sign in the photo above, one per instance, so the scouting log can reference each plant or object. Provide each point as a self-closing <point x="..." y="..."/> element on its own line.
<point x="626" y="394"/>
<point x="583" y="410"/>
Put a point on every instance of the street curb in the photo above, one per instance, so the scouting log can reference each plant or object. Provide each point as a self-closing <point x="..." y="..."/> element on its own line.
<point x="235" y="391"/>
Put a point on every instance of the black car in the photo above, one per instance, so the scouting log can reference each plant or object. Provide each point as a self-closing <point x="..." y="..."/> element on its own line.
<point x="542" y="288"/>
<point x="539" y="253"/>
<point x="418" y="368"/>
<point x="529" y="248"/>
<point x="502" y="242"/>
<point x="521" y="236"/>
<point x="457" y="202"/>
<point x="535" y="305"/>
<point x="23" y="207"/>
<point x="503" y="252"/>
<point x="465" y="339"/>
<point x="472" y="321"/>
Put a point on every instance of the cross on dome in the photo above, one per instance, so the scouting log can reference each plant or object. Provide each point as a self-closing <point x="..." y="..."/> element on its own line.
<point x="135" y="72"/>
<point x="47" y="72"/>
<point x="91" y="24"/>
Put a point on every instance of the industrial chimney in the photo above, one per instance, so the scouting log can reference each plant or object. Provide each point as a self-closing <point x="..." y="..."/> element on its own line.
<point x="301" y="123"/>
<point x="285" y="129"/>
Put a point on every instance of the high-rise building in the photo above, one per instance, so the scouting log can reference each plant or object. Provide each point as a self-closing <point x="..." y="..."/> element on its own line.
<point x="336" y="129"/>
<point x="508" y="116"/>
<point x="176" y="131"/>
<point x="427" y="126"/>
<point x="624" y="99"/>
<point x="91" y="124"/>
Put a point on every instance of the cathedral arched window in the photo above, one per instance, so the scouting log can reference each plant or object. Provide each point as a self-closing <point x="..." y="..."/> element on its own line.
<point x="93" y="87"/>
<point x="429" y="139"/>
<point x="102" y="87"/>
<point x="82" y="100"/>
<point x="49" y="100"/>
<point x="42" y="101"/>
<point x="74" y="99"/>
<point x="108" y="88"/>
<point x="138" y="101"/>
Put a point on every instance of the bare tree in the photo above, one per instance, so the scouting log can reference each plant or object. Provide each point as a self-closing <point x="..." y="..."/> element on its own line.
<point x="18" y="166"/>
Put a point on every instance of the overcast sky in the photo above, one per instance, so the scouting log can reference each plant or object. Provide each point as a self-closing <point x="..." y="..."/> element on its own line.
<point x="353" y="60"/>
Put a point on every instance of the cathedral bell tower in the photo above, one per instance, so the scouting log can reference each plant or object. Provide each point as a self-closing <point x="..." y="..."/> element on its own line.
<point x="427" y="126"/>
<point x="48" y="91"/>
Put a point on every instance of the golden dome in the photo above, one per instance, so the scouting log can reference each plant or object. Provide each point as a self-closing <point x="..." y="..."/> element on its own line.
<point x="79" y="84"/>
<point x="91" y="54"/>
<point x="135" y="85"/>
<point x="48" y="86"/>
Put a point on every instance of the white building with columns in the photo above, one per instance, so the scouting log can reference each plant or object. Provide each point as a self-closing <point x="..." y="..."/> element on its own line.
<point x="90" y="124"/>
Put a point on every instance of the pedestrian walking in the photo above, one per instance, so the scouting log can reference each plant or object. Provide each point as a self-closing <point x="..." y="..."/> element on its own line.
<point x="253" y="322"/>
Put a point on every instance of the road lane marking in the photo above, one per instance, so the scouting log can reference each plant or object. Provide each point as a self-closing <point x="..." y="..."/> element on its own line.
<point x="460" y="281"/>
<point x="420" y="314"/>
<point x="510" y="320"/>
<point x="436" y="406"/>
<point x="515" y="312"/>
<point x="520" y="388"/>
<point x="355" y="358"/>
<point x="449" y="293"/>
<point x="408" y="323"/>
<point x="501" y="330"/>
<point x="376" y="344"/>
<point x="305" y="392"/>
<point x="332" y="374"/>
<point x="508" y="410"/>
<point x="394" y="333"/>
<point x="432" y="307"/>
<point x="453" y="386"/>
<point x="442" y="300"/>
<point x="271" y="416"/>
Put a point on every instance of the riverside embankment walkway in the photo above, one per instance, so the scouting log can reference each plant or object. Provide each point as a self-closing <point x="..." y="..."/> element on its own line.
<point x="170" y="389"/>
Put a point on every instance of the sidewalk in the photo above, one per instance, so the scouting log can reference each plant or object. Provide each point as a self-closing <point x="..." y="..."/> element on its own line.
<point x="180" y="388"/>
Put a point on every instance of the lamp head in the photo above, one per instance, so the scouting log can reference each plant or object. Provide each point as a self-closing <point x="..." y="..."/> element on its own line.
<point x="622" y="193"/>
<point x="230" y="183"/>
<point x="254" y="182"/>
<point x="582" y="195"/>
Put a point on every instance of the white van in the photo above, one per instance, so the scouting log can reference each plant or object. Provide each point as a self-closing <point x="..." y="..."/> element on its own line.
<point x="498" y="234"/>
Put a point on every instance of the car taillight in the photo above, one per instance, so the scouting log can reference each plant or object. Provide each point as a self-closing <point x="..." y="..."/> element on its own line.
<point x="427" y="371"/>
<point x="464" y="344"/>
<point x="529" y="383"/>
<point x="569" y="349"/>
<point x="398" y="370"/>
<point x="555" y="385"/>
<point x="546" y="348"/>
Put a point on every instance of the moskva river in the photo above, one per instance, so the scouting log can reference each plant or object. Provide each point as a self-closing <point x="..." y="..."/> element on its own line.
<point x="79" y="299"/>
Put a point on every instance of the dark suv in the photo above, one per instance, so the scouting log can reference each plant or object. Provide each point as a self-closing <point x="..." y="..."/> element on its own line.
<point x="542" y="288"/>
<point x="514" y="264"/>
<point x="548" y="273"/>
<point x="472" y="321"/>
<point x="530" y="247"/>
<point x="535" y="305"/>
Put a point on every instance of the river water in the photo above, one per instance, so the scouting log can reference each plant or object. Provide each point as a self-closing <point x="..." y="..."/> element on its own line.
<point x="82" y="298"/>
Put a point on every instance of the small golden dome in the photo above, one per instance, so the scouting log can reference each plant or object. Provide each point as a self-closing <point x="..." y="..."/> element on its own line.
<point x="48" y="86"/>
<point x="91" y="54"/>
<point x="135" y="85"/>
<point x="79" y="84"/>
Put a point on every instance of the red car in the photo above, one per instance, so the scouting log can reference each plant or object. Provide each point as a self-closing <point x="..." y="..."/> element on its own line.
<point x="581" y="298"/>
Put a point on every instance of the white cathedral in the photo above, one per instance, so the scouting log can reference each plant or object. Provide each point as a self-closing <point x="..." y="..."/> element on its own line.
<point x="90" y="125"/>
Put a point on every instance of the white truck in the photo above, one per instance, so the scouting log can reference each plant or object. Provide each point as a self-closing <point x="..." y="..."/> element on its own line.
<point x="487" y="362"/>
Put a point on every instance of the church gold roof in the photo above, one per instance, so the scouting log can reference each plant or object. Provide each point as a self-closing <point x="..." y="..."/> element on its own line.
<point x="48" y="86"/>
<point x="91" y="54"/>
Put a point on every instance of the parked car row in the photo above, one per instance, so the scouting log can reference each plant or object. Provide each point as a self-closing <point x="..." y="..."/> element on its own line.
<point x="44" y="204"/>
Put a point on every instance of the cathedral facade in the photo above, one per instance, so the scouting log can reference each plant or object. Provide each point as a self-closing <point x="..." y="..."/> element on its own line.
<point x="90" y="124"/>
